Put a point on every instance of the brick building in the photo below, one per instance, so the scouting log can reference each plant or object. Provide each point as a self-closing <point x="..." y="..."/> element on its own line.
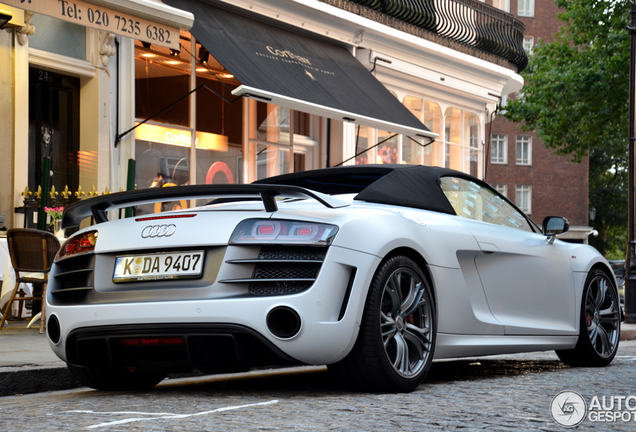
<point x="518" y="164"/>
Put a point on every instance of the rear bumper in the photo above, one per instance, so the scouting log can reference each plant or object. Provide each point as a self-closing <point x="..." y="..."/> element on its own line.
<point x="330" y="312"/>
<point x="173" y="348"/>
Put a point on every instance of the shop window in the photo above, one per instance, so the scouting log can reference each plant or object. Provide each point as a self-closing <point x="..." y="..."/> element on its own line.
<point x="163" y="144"/>
<point x="433" y="121"/>
<point x="271" y="160"/>
<point x="452" y="126"/>
<point x="461" y="136"/>
<point x="302" y="123"/>
<point x="387" y="152"/>
<point x="504" y="5"/>
<point x="472" y="153"/>
<point x="456" y="147"/>
<point x="272" y="148"/>
<point x="366" y="156"/>
<point x="524" y="150"/>
<point x="499" y="149"/>
<point x="269" y="123"/>
<point x="412" y="148"/>
<point x="161" y="78"/>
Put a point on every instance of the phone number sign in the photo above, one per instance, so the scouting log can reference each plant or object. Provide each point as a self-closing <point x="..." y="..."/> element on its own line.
<point x="101" y="18"/>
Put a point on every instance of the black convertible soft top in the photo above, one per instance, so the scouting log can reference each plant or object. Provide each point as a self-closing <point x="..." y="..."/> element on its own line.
<point x="403" y="185"/>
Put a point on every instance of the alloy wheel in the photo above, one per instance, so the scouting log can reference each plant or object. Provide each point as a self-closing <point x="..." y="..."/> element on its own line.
<point x="405" y="320"/>
<point x="602" y="316"/>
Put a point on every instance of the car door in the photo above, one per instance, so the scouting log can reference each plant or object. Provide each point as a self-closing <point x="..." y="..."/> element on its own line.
<point x="528" y="282"/>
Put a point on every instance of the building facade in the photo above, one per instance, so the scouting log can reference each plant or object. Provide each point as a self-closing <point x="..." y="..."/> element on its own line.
<point x="137" y="93"/>
<point x="540" y="182"/>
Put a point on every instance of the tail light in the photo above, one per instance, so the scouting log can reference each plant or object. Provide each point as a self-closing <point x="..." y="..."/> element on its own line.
<point x="78" y="244"/>
<point x="257" y="231"/>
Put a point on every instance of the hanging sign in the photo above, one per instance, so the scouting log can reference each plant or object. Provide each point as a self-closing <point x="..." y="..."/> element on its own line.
<point x="102" y="18"/>
<point x="180" y="137"/>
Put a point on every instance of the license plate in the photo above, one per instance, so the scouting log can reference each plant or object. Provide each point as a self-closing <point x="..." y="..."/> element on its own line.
<point x="158" y="266"/>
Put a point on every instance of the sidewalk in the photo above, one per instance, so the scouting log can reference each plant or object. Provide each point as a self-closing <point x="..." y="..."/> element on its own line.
<point x="28" y="365"/>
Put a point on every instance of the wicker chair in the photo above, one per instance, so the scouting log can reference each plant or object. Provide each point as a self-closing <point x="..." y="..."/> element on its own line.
<point x="31" y="251"/>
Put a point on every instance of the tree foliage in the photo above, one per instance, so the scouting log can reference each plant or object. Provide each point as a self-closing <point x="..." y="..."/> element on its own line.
<point x="575" y="99"/>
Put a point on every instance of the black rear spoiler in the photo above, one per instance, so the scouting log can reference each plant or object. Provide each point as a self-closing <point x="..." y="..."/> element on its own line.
<point x="98" y="206"/>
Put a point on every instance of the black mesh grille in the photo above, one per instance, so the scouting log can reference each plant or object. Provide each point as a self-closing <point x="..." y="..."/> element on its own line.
<point x="294" y="268"/>
<point x="71" y="297"/>
<point x="74" y="280"/>
<point x="292" y="253"/>
<point x="74" y="272"/>
<point x="277" y="288"/>
<point x="286" y="271"/>
<point x="81" y="262"/>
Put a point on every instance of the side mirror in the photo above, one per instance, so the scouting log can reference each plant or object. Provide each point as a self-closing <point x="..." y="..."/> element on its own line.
<point x="553" y="225"/>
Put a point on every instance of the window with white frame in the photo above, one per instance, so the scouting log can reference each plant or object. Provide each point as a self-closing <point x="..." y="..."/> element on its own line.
<point x="528" y="43"/>
<point x="523" y="198"/>
<point x="502" y="188"/>
<point x="499" y="149"/>
<point x="504" y="5"/>
<point x="457" y="145"/>
<point x="524" y="150"/>
<point x="526" y="8"/>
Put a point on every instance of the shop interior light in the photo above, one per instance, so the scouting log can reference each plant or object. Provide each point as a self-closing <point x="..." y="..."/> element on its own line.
<point x="157" y="56"/>
<point x="204" y="55"/>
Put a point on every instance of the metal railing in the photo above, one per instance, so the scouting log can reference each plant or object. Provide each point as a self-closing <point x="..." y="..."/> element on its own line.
<point x="468" y="22"/>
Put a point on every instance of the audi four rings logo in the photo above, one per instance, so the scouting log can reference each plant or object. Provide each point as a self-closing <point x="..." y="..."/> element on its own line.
<point x="152" y="231"/>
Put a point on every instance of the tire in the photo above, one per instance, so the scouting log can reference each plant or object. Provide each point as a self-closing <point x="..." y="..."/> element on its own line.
<point x="599" y="332"/>
<point x="115" y="378"/>
<point x="395" y="345"/>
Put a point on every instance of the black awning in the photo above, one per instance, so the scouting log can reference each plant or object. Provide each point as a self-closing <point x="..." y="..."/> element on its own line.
<point x="297" y="72"/>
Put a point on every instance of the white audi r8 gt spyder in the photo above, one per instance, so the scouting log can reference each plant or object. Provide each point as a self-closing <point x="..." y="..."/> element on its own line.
<point x="373" y="270"/>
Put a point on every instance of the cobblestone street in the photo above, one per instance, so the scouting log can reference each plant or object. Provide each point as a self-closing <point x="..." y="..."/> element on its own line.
<point x="496" y="394"/>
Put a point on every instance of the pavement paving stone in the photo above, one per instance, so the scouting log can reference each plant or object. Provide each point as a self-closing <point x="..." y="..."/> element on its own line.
<point x="28" y="365"/>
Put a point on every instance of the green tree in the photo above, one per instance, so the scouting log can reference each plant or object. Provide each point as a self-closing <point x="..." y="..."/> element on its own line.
<point x="576" y="100"/>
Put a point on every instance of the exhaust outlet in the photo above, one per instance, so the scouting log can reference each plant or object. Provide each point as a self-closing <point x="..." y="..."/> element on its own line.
<point x="53" y="329"/>
<point x="283" y="322"/>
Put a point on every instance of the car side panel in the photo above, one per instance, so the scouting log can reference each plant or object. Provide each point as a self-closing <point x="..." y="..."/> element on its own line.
<point x="449" y="251"/>
<point x="528" y="282"/>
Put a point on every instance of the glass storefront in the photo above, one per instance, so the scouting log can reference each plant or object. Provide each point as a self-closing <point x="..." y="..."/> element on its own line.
<point x="164" y="159"/>
<point x="276" y="140"/>
<point x="163" y="145"/>
<point x="456" y="147"/>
